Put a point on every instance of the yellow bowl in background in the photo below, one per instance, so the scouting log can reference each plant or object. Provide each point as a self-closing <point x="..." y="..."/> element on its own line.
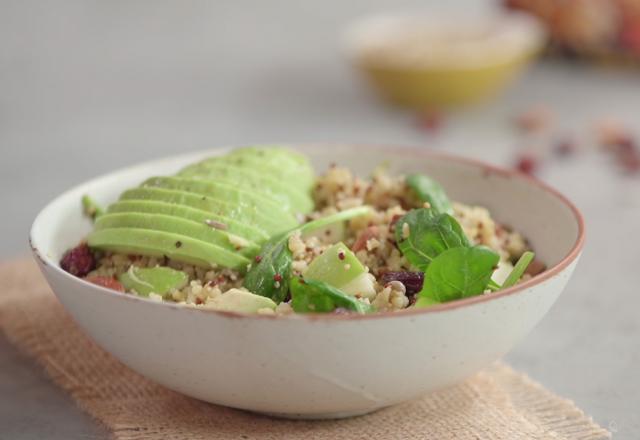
<point x="423" y="62"/>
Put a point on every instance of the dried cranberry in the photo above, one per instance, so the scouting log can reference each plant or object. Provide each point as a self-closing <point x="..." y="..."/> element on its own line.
<point x="535" y="267"/>
<point x="108" y="282"/>
<point x="78" y="261"/>
<point x="412" y="280"/>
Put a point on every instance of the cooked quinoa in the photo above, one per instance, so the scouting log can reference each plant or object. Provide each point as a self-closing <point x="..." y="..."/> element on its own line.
<point x="371" y="238"/>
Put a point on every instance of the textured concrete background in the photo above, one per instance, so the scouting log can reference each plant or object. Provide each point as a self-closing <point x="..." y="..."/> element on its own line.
<point x="87" y="87"/>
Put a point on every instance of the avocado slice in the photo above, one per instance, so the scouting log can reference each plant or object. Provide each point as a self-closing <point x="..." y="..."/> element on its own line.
<point x="297" y="200"/>
<point x="243" y="301"/>
<point x="268" y="206"/>
<point x="241" y="213"/>
<point x="160" y="243"/>
<point x="217" y="212"/>
<point x="272" y="162"/>
<point x="158" y="280"/>
<point x="167" y="223"/>
<point x="232" y="226"/>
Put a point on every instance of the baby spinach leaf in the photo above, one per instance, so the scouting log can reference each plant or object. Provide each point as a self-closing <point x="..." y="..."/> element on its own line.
<point x="269" y="274"/>
<point x="426" y="235"/>
<point x="425" y="301"/>
<point x="312" y="296"/>
<point x="428" y="190"/>
<point x="459" y="272"/>
<point x="519" y="268"/>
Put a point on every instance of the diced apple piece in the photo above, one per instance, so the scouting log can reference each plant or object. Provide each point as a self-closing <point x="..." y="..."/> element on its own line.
<point x="239" y="300"/>
<point x="158" y="280"/>
<point x="340" y="268"/>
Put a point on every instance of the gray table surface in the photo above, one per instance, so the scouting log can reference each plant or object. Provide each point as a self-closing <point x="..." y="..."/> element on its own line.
<point x="86" y="87"/>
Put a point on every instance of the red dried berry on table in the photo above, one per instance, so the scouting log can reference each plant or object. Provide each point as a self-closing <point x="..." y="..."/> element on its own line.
<point x="108" y="282"/>
<point x="78" y="261"/>
<point x="565" y="147"/>
<point x="527" y="164"/>
<point x="610" y="133"/>
<point x="431" y="121"/>
<point x="630" y="160"/>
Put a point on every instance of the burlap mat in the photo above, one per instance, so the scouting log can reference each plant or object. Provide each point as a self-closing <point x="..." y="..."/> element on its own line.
<point x="498" y="403"/>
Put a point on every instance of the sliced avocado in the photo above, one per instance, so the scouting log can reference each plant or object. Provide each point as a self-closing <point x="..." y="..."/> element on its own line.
<point x="160" y="243"/>
<point x="243" y="301"/>
<point x="217" y="212"/>
<point x="232" y="226"/>
<point x="271" y="151"/>
<point x="298" y="200"/>
<point x="268" y="206"/>
<point x="158" y="280"/>
<point x="176" y="225"/>
<point x="245" y="214"/>
<point x="340" y="268"/>
<point x="276" y="162"/>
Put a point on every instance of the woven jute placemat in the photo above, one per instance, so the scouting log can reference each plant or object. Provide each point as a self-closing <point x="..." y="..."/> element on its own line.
<point x="497" y="403"/>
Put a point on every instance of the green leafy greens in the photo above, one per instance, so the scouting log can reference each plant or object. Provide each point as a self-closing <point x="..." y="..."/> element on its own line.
<point x="312" y="296"/>
<point x="435" y="243"/>
<point x="270" y="274"/>
<point x="519" y="268"/>
<point x="430" y="191"/>
<point x="429" y="234"/>
<point x="459" y="273"/>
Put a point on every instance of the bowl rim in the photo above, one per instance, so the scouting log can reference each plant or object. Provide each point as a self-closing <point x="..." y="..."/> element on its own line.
<point x="423" y="153"/>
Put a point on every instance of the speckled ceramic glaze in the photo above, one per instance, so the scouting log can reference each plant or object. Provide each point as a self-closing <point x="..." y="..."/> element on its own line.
<point x="320" y="366"/>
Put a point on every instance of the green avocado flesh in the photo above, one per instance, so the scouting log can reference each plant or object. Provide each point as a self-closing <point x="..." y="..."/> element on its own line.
<point x="217" y="212"/>
<point x="161" y="222"/>
<point x="155" y="207"/>
<point x="268" y="207"/>
<point x="160" y="243"/>
<point x="242" y="213"/>
<point x="287" y="194"/>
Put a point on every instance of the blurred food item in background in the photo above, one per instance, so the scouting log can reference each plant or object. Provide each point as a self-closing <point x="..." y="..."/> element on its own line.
<point x="616" y="139"/>
<point x="541" y="143"/>
<point x="535" y="119"/>
<point x="429" y="62"/>
<point x="606" y="30"/>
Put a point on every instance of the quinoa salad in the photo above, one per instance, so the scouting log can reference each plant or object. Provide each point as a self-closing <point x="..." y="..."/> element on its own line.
<point x="257" y="231"/>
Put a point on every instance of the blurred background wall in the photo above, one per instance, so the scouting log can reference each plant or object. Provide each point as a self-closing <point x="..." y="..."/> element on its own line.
<point x="89" y="86"/>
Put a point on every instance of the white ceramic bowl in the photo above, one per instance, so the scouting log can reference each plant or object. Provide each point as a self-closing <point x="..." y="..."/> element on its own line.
<point x="320" y="366"/>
